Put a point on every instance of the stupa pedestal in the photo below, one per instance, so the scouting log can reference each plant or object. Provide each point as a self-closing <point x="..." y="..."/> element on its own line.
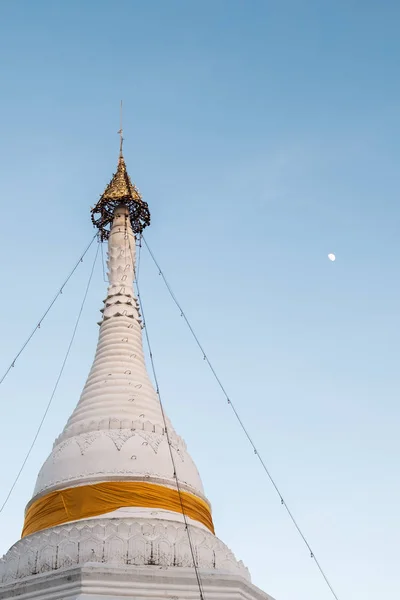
<point x="105" y="582"/>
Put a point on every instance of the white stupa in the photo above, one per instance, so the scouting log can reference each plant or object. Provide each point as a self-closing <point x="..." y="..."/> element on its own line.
<point x="119" y="509"/>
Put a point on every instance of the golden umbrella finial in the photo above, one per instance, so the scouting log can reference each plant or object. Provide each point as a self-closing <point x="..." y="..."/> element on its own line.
<point x="120" y="190"/>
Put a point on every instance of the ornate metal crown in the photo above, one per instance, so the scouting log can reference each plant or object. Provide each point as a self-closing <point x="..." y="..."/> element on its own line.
<point x="120" y="190"/>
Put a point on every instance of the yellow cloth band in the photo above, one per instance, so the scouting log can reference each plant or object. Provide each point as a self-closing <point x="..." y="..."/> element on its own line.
<point x="87" y="501"/>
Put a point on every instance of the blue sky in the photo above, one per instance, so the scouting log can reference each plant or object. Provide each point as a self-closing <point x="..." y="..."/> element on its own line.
<point x="263" y="135"/>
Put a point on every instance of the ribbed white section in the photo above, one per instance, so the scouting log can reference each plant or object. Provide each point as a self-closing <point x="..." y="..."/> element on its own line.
<point x="117" y="429"/>
<point x="118" y="386"/>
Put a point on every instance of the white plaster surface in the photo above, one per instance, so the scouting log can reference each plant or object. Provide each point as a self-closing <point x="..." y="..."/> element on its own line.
<point x="118" y="541"/>
<point x="103" y="582"/>
<point x="117" y="429"/>
<point x="117" y="432"/>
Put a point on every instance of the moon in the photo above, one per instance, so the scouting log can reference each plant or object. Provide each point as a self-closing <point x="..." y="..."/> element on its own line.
<point x="332" y="257"/>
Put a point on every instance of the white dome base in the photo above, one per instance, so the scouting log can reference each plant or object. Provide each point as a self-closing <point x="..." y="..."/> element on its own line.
<point x="148" y="541"/>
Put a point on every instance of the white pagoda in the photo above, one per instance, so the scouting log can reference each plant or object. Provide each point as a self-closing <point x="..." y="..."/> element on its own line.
<point x="119" y="509"/>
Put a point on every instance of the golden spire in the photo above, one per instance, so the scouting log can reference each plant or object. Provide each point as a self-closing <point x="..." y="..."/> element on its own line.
<point x="120" y="187"/>
<point x="120" y="190"/>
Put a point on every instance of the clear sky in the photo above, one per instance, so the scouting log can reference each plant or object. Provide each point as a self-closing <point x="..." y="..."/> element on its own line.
<point x="263" y="135"/>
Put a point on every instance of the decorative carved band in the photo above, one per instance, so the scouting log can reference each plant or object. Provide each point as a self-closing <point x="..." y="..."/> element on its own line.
<point x="117" y="542"/>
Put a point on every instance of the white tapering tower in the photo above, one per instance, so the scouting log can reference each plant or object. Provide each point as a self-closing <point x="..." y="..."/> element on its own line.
<point x="119" y="508"/>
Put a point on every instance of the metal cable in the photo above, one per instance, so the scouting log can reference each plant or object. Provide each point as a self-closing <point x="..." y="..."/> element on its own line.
<point x="244" y="429"/>
<point x="137" y="269"/>
<point x="55" y="386"/>
<point x="102" y="262"/>
<point x="60" y="291"/>
<point x="175" y="475"/>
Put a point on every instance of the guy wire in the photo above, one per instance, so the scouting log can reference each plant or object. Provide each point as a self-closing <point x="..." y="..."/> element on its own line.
<point x="244" y="429"/>
<point x="102" y="262"/>
<point x="60" y="291"/>
<point x="55" y="386"/>
<point x="178" y="487"/>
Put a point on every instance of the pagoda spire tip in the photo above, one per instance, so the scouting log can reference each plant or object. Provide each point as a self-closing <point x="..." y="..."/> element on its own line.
<point x="120" y="132"/>
<point x="120" y="190"/>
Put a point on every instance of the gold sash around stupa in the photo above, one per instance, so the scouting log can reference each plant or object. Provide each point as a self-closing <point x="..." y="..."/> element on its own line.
<point x="83" y="502"/>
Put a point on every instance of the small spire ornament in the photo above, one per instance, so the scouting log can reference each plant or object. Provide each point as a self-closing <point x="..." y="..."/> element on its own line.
<point x="120" y="190"/>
